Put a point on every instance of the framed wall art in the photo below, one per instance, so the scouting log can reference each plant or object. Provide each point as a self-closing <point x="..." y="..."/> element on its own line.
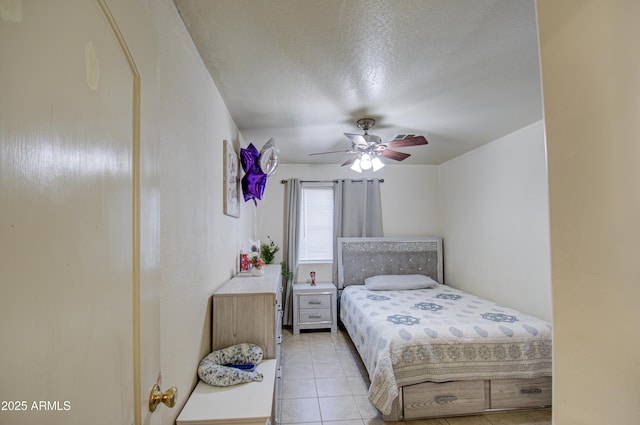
<point x="231" y="179"/>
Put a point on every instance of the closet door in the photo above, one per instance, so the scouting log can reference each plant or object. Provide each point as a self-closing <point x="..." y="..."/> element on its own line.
<point x="69" y="232"/>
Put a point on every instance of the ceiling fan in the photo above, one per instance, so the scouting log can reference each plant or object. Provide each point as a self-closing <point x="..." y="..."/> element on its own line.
<point x="368" y="148"/>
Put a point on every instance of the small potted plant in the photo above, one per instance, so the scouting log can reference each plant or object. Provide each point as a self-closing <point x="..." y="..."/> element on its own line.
<point x="268" y="251"/>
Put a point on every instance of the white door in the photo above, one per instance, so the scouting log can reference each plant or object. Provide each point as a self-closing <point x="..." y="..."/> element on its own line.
<point x="71" y="320"/>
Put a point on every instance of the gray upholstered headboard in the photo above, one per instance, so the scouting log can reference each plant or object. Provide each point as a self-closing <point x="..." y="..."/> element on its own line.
<point x="359" y="258"/>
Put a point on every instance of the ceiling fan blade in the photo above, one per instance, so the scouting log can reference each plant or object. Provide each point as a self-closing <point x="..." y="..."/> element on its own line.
<point x="323" y="153"/>
<point x="349" y="161"/>
<point x="409" y="140"/>
<point x="395" y="155"/>
<point x="356" y="138"/>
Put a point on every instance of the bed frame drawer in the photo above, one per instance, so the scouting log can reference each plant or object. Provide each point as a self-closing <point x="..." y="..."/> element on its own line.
<point x="441" y="399"/>
<point x="510" y="393"/>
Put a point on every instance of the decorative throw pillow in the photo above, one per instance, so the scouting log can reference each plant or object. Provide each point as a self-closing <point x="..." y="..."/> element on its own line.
<point x="213" y="369"/>
<point x="399" y="282"/>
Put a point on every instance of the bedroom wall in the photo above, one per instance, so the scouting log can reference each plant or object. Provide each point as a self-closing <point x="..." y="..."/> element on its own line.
<point x="409" y="198"/>
<point x="495" y="222"/>
<point x="591" y="87"/>
<point x="199" y="244"/>
<point x="184" y="124"/>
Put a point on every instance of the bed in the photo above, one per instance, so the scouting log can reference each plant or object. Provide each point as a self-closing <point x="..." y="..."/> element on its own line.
<point x="436" y="351"/>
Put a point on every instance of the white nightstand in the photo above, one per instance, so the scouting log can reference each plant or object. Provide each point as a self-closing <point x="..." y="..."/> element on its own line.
<point x="314" y="307"/>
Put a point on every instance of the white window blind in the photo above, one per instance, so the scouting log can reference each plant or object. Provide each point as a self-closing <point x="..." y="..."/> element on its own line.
<point x="316" y="223"/>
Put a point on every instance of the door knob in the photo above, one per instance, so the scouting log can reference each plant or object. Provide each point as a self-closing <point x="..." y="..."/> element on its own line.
<point x="168" y="397"/>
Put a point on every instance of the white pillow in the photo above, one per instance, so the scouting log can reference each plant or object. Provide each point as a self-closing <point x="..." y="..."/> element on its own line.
<point x="399" y="282"/>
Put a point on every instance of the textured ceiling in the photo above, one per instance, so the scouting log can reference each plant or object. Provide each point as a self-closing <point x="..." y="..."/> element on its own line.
<point x="460" y="72"/>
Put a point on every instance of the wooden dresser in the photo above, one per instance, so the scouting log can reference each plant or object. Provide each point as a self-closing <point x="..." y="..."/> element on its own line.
<point x="249" y="309"/>
<point x="245" y="309"/>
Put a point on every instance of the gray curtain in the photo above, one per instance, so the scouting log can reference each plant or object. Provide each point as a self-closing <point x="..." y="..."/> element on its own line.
<point x="290" y="249"/>
<point x="357" y="212"/>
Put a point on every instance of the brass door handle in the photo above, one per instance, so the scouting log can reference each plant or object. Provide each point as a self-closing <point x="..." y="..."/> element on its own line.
<point x="168" y="397"/>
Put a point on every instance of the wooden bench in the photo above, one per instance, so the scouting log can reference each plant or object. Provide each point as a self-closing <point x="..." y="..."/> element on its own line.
<point x="249" y="403"/>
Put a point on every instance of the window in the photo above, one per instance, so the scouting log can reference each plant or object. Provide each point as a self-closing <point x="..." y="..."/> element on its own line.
<point x="316" y="223"/>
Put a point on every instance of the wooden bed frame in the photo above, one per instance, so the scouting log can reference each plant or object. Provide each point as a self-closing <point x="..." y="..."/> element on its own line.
<point x="359" y="258"/>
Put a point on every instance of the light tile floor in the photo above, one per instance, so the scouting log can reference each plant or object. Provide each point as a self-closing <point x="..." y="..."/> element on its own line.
<point x="325" y="382"/>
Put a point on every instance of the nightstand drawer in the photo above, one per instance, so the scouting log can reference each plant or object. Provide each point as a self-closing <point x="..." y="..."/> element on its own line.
<point x="315" y="316"/>
<point x="319" y="301"/>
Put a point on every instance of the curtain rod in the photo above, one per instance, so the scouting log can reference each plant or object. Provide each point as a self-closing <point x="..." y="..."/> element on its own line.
<point x="330" y="181"/>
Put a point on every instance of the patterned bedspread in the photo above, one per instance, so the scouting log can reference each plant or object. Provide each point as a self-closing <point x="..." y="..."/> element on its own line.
<point x="440" y="334"/>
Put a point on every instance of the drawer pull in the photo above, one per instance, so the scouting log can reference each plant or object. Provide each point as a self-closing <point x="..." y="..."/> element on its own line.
<point x="442" y="399"/>
<point x="531" y="390"/>
<point x="314" y="302"/>
<point x="315" y="316"/>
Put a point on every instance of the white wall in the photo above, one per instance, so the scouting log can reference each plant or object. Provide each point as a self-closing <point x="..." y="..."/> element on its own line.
<point x="184" y="122"/>
<point x="409" y="198"/>
<point x="495" y="222"/>
<point x="591" y="84"/>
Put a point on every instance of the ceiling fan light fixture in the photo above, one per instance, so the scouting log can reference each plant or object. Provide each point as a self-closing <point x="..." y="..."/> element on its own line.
<point x="365" y="161"/>
<point x="377" y="164"/>
<point x="356" y="166"/>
